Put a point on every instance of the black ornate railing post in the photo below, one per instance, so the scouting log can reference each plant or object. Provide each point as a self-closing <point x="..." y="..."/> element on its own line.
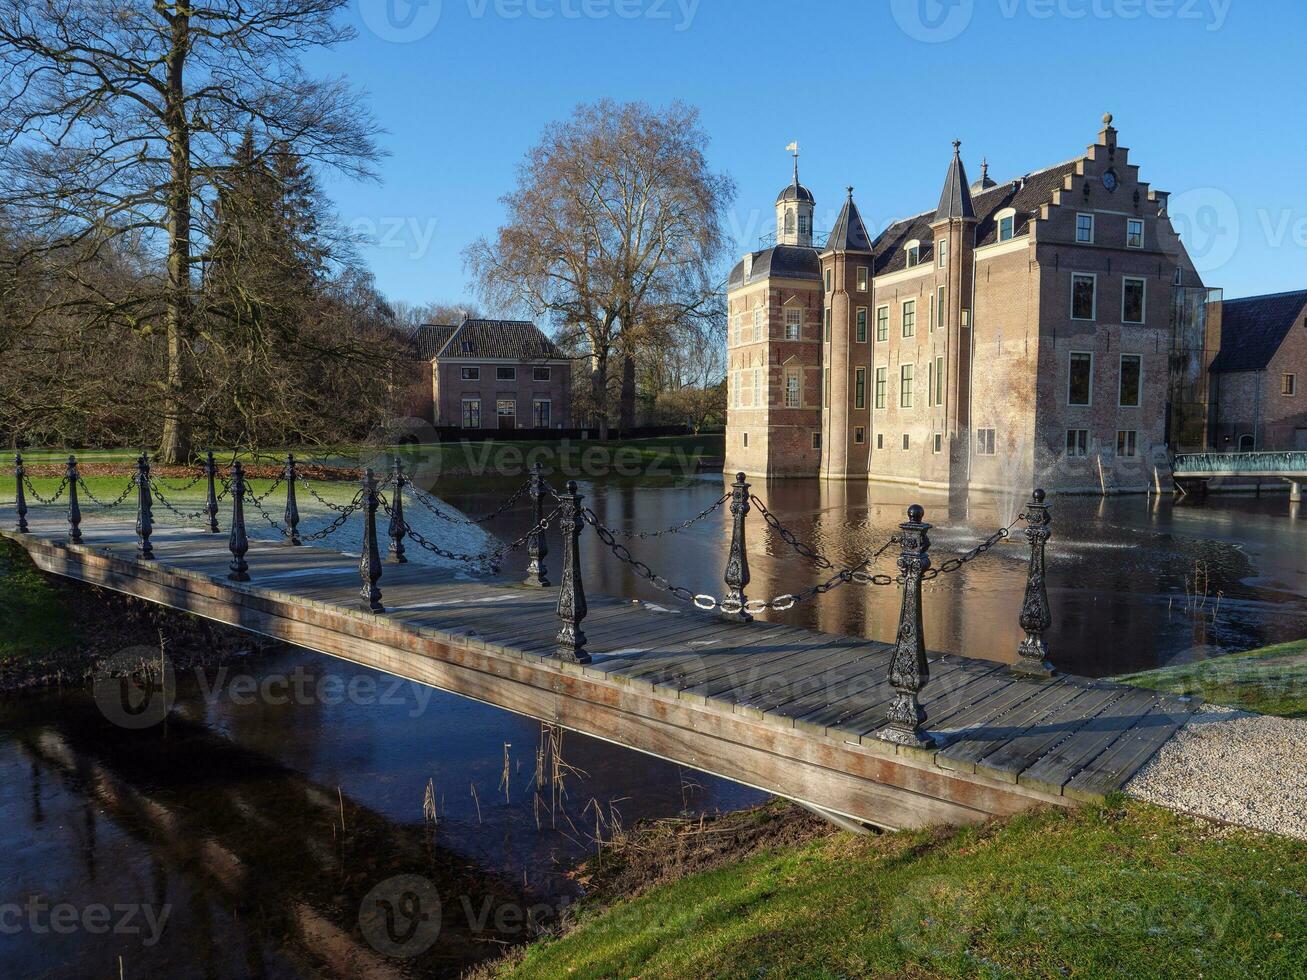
<point x="144" y="508"/>
<point x="1035" y="615"/>
<point x="74" y="508"/>
<point x="398" y="529"/>
<point x="211" y="501"/>
<point x="292" y="504"/>
<point x="571" y="594"/>
<point x="737" y="562"/>
<point x="238" y="542"/>
<point x="370" y="559"/>
<point x="536" y="548"/>
<point x="20" y="494"/>
<point x="908" y="672"/>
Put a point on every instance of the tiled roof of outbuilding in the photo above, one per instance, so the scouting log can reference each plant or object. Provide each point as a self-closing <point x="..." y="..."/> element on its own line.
<point x="430" y="337"/>
<point x="512" y="340"/>
<point x="1253" y="328"/>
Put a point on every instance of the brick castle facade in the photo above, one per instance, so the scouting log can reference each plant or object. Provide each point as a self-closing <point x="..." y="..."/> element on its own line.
<point x="1051" y="329"/>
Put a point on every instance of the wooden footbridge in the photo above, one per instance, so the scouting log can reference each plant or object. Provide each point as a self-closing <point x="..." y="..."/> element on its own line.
<point x="886" y="734"/>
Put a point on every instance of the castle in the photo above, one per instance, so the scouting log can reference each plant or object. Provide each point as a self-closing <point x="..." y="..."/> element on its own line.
<point x="1051" y="329"/>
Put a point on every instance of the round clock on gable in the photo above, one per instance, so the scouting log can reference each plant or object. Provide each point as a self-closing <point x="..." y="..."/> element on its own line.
<point x="1110" y="181"/>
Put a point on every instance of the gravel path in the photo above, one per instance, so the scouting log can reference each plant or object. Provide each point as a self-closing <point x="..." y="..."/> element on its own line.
<point x="1230" y="765"/>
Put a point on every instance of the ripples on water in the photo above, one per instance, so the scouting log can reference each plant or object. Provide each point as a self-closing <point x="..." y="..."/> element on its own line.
<point x="230" y="813"/>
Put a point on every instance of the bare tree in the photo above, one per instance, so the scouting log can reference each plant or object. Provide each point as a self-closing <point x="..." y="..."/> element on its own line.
<point x="612" y="231"/>
<point x="118" y="119"/>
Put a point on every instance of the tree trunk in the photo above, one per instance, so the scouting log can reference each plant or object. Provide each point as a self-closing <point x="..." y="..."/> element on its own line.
<point x="175" y="445"/>
<point x="599" y="391"/>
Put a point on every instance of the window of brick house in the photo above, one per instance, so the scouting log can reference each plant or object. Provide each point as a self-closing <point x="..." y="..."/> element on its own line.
<point x="939" y="443"/>
<point x="882" y="381"/>
<point x="1134" y="233"/>
<point x="862" y="278"/>
<point x="930" y="384"/>
<point x="541" y="374"/>
<point x="909" y="317"/>
<point x="859" y="435"/>
<point x="469" y="374"/>
<point x="882" y="323"/>
<point x="1007" y="226"/>
<point x="941" y="307"/>
<point x="1084" y="299"/>
<point x="880" y="440"/>
<point x="860" y="328"/>
<point x="1126" y="442"/>
<point x="541" y="413"/>
<point x="1077" y="443"/>
<point x="1131" y="386"/>
<point x="860" y="388"/>
<point x="471" y="413"/>
<point x="757" y="324"/>
<point x="1134" y="295"/>
<point x="505" y="374"/>
<point x="816" y="440"/>
<point x="941" y="248"/>
<point x="793" y="324"/>
<point x="746" y="440"/>
<point x="793" y="387"/>
<point x="906" y="442"/>
<point x="984" y="442"/>
<point x="912" y="254"/>
<point x="939" y="380"/>
<point x="830" y="280"/>
<point x="905" y="385"/>
<point x="1080" y="379"/>
<point x="1085" y="229"/>
<point x="828" y="324"/>
<point x="1289" y="384"/>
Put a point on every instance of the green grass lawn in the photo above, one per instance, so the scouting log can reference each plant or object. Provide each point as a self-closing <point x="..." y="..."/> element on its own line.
<point x="1119" y="890"/>
<point x="1272" y="680"/>
<point x="36" y="622"/>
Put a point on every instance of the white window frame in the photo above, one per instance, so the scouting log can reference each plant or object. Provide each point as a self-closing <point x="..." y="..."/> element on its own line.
<point x="1002" y="216"/>
<point x="940" y="377"/>
<point x="985" y="442"/>
<point x="1120" y="376"/>
<point x="880" y="391"/>
<point x="861" y="313"/>
<point x="796" y="375"/>
<point x="757" y="388"/>
<point x="793" y="324"/>
<point x="1288" y="379"/>
<point x="864" y="278"/>
<point x="1094" y="312"/>
<point x="830" y="280"/>
<point x="860" y="374"/>
<point x="1143" y="306"/>
<point x="548" y="373"/>
<point x="1130" y="223"/>
<point x="757" y="324"/>
<point x="1129" y="442"/>
<point x="463" y="418"/>
<point x="1090" y="239"/>
<point x="859" y="434"/>
<point x="500" y="373"/>
<point x="937" y="443"/>
<point x="1070" y="356"/>
<point x="904" y="329"/>
<point x="469" y="374"/>
<point x="940" y="319"/>
<point x="879" y="311"/>
<point x="535" y="413"/>
<point x="1077" y="454"/>
<point x="941" y="248"/>
<point x="912" y="254"/>
<point x="506" y="401"/>
<point x="907" y="384"/>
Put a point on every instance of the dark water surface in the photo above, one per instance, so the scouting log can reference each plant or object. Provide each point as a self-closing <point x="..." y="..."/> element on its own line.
<point x="283" y="795"/>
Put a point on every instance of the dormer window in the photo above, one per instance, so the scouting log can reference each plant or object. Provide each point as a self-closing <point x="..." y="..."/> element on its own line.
<point x="913" y="253"/>
<point x="1007" y="225"/>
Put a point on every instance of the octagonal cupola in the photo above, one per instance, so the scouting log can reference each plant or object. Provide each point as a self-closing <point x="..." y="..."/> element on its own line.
<point x="794" y="207"/>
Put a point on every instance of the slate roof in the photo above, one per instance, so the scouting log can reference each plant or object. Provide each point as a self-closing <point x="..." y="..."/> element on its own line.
<point x="1025" y="195"/>
<point x="512" y="340"/>
<point x="795" y="192"/>
<point x="1253" y="328"/>
<point x="786" y="261"/>
<point x="849" y="233"/>
<point x="955" y="200"/>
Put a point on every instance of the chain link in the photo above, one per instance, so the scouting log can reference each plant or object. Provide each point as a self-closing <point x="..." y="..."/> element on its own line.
<point x="171" y="488"/>
<point x="131" y="485"/>
<point x="675" y="528"/>
<point x="344" y="515"/>
<point x="492" y="558"/>
<point x="953" y="564"/>
<point x="258" y="499"/>
<point x="425" y="499"/>
<point x="31" y="491"/>
<point x="338" y="508"/>
<point x="821" y="561"/>
<point x="158" y="495"/>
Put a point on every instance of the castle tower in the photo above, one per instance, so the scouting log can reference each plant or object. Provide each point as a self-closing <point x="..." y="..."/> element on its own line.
<point x="794" y="206"/>
<point x="954" y="232"/>
<point x="846" y="264"/>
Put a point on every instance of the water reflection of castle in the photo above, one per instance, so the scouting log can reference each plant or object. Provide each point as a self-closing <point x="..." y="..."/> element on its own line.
<point x="1051" y="329"/>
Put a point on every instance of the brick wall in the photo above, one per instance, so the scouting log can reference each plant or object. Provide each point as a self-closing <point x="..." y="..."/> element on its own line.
<point x="450" y="389"/>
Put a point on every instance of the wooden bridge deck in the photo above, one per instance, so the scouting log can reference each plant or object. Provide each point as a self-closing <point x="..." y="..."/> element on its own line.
<point x="787" y="710"/>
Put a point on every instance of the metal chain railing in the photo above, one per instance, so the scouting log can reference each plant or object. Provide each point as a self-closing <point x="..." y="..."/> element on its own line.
<point x="675" y="528"/>
<point x="339" y="508"/>
<point x="425" y="499"/>
<point x="158" y="495"/>
<point x="953" y="564"/>
<point x="63" y="486"/>
<point x="131" y="485"/>
<point x="260" y="498"/>
<point x="484" y="558"/>
<point x="820" y="560"/>
<point x="182" y="489"/>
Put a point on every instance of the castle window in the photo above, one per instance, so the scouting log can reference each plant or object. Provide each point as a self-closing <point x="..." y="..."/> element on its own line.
<point x="789" y="221"/>
<point x="909" y="317"/>
<point x="825" y="384"/>
<point x="939" y="443"/>
<point x="830" y="280"/>
<point x="1289" y="384"/>
<point x="1085" y="229"/>
<point x="805" y="224"/>
<point x="793" y="324"/>
<point x="859" y="435"/>
<point x="1134" y="233"/>
<point x="757" y="387"/>
<point x="941" y="248"/>
<point x="1127" y="442"/>
<point x="862" y="278"/>
<point x="930" y="383"/>
<point x="880" y="440"/>
<point x="905" y="442"/>
<point x="860" y="328"/>
<point x="939" y="380"/>
<point x="793" y="388"/>
<point x="1080" y="379"/>
<point x="757" y="324"/>
<point x="1084" y="301"/>
<point x="1077" y="443"/>
<point x="984" y="442"/>
<point x="816" y="440"/>
<point x="1133" y="294"/>
<point x="882" y="323"/>
<point x="1179" y="281"/>
<point x="860" y="388"/>
<point x="1131" y="385"/>
<point x="882" y="382"/>
<point x="941" y="308"/>
<point x="469" y="374"/>
<point x="905" y="386"/>
<point x="746" y="440"/>
<point x="828" y="323"/>
<point x="1007" y="225"/>
<point x="913" y="253"/>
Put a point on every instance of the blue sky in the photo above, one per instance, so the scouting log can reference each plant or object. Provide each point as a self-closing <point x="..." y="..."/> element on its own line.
<point x="1206" y="93"/>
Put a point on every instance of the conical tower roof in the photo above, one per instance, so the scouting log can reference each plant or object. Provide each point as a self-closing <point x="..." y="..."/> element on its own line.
<point x="955" y="201"/>
<point x="849" y="233"/>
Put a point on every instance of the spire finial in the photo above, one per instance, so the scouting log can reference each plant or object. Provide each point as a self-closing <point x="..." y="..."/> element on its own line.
<point x="850" y="190"/>
<point x="1107" y="119"/>
<point x="957" y="147"/>
<point x="984" y="168"/>
<point x="794" y="148"/>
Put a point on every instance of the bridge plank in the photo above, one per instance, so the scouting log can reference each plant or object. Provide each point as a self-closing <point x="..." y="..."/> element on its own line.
<point x="1112" y="769"/>
<point x="960" y="750"/>
<point x="1007" y="761"/>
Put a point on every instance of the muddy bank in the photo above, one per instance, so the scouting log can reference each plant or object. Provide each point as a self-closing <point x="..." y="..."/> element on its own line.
<point x="56" y="632"/>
